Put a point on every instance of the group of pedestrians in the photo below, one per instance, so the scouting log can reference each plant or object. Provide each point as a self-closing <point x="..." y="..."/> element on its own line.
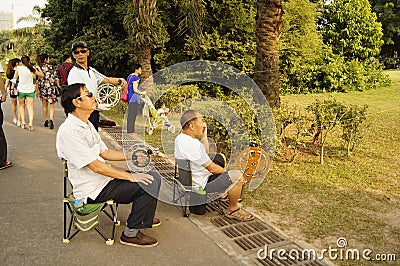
<point x="23" y="89"/>
<point x="79" y="143"/>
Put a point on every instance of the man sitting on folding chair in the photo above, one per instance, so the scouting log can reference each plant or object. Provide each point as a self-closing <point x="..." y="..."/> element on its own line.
<point x="208" y="175"/>
<point x="93" y="180"/>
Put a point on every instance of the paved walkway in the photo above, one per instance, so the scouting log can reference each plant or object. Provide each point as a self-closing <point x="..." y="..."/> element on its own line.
<point x="31" y="216"/>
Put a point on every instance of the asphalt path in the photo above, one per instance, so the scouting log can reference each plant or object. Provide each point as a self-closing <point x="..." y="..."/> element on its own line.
<point x="31" y="213"/>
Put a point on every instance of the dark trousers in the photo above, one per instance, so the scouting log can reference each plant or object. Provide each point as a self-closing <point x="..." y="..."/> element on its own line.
<point x="143" y="198"/>
<point x="198" y="202"/>
<point x="94" y="118"/>
<point x="133" y="110"/>
<point x="3" y="142"/>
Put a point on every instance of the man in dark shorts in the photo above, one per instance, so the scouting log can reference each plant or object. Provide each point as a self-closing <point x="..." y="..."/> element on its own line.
<point x="209" y="175"/>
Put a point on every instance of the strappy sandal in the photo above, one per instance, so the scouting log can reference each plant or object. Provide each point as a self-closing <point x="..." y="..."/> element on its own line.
<point x="224" y="198"/>
<point x="239" y="214"/>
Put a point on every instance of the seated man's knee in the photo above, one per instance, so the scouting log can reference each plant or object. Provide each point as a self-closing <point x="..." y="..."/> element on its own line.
<point x="235" y="176"/>
<point x="157" y="178"/>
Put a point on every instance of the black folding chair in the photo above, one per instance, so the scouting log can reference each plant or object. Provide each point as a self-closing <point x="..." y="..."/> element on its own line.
<point x="183" y="188"/>
<point x="86" y="217"/>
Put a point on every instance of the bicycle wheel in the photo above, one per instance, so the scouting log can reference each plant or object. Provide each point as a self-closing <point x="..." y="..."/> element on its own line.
<point x="108" y="94"/>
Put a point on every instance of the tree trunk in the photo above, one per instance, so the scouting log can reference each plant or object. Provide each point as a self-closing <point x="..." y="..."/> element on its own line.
<point x="144" y="58"/>
<point x="268" y="30"/>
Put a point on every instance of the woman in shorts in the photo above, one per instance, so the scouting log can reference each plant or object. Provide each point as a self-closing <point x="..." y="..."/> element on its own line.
<point x="26" y="89"/>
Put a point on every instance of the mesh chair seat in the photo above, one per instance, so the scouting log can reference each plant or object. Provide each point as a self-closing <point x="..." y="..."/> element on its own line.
<point x="186" y="193"/>
<point x="86" y="217"/>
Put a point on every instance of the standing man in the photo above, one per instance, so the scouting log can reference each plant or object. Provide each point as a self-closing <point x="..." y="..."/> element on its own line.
<point x="95" y="181"/>
<point x="3" y="143"/>
<point x="64" y="69"/>
<point x="82" y="73"/>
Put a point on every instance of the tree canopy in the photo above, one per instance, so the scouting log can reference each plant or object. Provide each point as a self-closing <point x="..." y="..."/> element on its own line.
<point x="352" y="29"/>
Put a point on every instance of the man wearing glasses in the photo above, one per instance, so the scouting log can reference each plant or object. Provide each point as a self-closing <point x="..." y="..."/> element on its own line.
<point x="82" y="73"/>
<point x="95" y="181"/>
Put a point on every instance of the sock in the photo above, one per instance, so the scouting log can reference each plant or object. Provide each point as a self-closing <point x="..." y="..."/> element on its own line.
<point x="130" y="232"/>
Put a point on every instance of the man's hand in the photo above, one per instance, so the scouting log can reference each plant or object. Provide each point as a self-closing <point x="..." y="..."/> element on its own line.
<point x="204" y="132"/>
<point x="142" y="178"/>
<point x="121" y="82"/>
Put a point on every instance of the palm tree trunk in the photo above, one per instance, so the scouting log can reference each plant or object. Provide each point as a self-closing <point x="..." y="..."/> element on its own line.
<point x="268" y="30"/>
<point x="144" y="58"/>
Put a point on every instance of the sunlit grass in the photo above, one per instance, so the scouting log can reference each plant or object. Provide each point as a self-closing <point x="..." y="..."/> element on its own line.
<point x="357" y="197"/>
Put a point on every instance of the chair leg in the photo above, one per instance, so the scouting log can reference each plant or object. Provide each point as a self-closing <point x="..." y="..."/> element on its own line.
<point x="67" y="232"/>
<point x="185" y="205"/>
<point x="220" y="210"/>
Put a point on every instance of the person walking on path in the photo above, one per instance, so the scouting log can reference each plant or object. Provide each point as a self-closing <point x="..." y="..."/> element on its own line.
<point x="3" y="143"/>
<point x="11" y="67"/>
<point x="81" y="72"/>
<point x="134" y="93"/>
<point x="26" y="88"/>
<point x="64" y="69"/>
<point x="95" y="181"/>
<point x="47" y="90"/>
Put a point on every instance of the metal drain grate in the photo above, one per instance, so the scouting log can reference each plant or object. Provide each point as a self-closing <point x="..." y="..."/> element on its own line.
<point x="249" y="236"/>
<point x="289" y="260"/>
<point x="258" y="241"/>
<point x="212" y="206"/>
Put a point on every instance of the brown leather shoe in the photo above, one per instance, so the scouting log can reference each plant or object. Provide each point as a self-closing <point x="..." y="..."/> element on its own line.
<point x="140" y="240"/>
<point x="156" y="222"/>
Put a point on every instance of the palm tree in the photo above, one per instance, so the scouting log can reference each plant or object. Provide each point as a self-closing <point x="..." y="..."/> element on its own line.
<point x="145" y="30"/>
<point x="30" y="39"/>
<point x="268" y="30"/>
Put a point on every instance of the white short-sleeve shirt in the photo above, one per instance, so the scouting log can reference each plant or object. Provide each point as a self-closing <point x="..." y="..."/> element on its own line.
<point x="25" y="80"/>
<point x="90" y="77"/>
<point x="80" y="144"/>
<point x="192" y="149"/>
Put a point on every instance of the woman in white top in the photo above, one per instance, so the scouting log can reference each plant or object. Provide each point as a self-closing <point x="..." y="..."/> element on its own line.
<point x="26" y="88"/>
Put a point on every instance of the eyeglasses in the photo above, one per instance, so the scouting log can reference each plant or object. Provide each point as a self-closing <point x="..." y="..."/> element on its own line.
<point x="89" y="94"/>
<point x="80" y="51"/>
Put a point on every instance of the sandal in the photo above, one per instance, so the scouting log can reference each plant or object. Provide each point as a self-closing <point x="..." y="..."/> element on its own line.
<point x="239" y="214"/>
<point x="224" y="198"/>
<point x="8" y="164"/>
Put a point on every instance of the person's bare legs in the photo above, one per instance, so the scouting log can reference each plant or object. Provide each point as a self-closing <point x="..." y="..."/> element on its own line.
<point x="29" y="103"/>
<point x="51" y="111"/>
<point x="44" y="109"/>
<point x="51" y="115"/>
<point x="16" y="116"/>
<point x="235" y="190"/>
<point x="21" y="103"/>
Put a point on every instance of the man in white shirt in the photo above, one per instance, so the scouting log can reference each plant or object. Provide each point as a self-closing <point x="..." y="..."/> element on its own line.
<point x="95" y="181"/>
<point x="207" y="174"/>
<point x="82" y="73"/>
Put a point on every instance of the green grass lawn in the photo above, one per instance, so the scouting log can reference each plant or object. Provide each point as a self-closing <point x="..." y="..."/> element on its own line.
<point x="357" y="197"/>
